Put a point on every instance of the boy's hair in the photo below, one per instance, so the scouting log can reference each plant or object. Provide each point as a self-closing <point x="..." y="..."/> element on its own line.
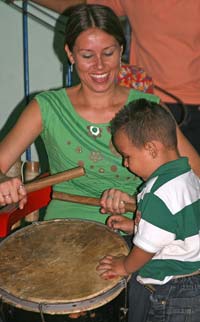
<point x="144" y="121"/>
<point x="81" y="17"/>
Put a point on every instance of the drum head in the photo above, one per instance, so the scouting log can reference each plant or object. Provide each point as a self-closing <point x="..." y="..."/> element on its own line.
<point x="50" y="266"/>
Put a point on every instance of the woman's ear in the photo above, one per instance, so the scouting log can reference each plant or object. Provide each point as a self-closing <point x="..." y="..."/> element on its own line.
<point x="69" y="54"/>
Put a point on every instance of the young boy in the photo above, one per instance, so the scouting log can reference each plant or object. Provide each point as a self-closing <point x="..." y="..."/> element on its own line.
<point x="166" y="251"/>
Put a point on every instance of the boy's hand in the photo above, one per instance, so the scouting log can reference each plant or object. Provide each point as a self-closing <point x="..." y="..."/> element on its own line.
<point x="110" y="267"/>
<point x="118" y="222"/>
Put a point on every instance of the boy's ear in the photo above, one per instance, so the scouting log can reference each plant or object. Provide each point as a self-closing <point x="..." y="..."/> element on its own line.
<point x="69" y="54"/>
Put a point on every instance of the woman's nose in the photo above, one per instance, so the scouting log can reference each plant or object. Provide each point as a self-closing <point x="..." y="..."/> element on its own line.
<point x="99" y="62"/>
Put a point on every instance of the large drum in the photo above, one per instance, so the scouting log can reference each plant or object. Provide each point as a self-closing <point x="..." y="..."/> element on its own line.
<point x="50" y="267"/>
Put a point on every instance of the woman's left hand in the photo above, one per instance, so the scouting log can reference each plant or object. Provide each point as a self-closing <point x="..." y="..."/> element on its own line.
<point x="113" y="201"/>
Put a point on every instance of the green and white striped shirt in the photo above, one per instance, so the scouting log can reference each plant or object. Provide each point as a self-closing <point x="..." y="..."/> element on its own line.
<point x="169" y="204"/>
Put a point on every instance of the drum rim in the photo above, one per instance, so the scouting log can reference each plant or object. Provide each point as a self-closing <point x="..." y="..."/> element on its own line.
<point x="70" y="306"/>
<point x="63" y="308"/>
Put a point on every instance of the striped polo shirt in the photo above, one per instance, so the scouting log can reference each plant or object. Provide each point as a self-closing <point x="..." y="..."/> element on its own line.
<point x="169" y="205"/>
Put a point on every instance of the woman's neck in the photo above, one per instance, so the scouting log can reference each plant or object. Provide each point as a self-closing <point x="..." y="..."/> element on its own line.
<point x="98" y="107"/>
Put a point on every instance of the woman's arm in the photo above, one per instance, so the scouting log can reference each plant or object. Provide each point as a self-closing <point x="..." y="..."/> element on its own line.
<point x="186" y="149"/>
<point x="23" y="134"/>
<point x="25" y="131"/>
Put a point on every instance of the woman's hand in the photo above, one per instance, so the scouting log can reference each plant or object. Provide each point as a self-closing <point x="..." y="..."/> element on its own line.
<point x="111" y="267"/>
<point x="12" y="191"/>
<point x="113" y="201"/>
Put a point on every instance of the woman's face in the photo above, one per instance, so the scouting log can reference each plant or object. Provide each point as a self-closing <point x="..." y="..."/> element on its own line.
<point x="97" y="56"/>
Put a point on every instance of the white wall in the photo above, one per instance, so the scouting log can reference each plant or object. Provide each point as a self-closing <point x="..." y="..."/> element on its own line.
<point x="45" y="69"/>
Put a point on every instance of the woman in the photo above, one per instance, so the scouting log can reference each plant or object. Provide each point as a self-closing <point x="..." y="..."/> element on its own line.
<point x="74" y="122"/>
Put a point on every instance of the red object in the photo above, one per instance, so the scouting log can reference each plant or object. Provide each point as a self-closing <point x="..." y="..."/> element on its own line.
<point x="9" y="215"/>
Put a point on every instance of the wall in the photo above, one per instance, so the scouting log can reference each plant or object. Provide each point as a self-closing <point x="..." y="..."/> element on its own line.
<point x="45" y="67"/>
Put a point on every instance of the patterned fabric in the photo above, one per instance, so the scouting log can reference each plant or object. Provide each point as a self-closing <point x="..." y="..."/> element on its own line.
<point x="135" y="77"/>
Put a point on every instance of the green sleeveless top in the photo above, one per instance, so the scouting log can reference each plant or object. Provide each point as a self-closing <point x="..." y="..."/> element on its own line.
<point x="72" y="141"/>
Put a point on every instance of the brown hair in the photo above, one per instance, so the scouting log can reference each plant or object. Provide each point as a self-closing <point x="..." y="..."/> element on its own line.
<point x="144" y="121"/>
<point x="84" y="16"/>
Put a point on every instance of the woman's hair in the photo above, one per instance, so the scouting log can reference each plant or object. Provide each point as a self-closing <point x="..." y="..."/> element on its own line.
<point x="84" y="16"/>
<point x="144" y="121"/>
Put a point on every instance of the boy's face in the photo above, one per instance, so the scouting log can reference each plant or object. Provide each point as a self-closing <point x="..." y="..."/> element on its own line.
<point x="138" y="160"/>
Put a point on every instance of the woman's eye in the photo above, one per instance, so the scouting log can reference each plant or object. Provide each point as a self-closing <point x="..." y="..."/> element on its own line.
<point x="108" y="53"/>
<point x="87" y="56"/>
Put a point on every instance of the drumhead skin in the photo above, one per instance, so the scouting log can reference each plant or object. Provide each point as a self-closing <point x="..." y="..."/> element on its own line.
<point x="50" y="266"/>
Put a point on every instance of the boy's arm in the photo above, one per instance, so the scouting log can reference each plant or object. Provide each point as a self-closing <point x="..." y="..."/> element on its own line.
<point x="136" y="259"/>
<point x="110" y="266"/>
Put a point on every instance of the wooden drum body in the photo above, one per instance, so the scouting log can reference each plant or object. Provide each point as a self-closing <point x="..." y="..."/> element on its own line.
<point x="50" y="266"/>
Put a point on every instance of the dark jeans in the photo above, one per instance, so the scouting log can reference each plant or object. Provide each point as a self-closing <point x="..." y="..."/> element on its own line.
<point x="176" y="301"/>
<point x="138" y="296"/>
<point x="139" y="301"/>
<point x="189" y="120"/>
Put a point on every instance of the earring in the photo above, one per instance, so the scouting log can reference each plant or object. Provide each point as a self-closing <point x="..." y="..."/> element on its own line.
<point x="120" y="62"/>
<point x="71" y="68"/>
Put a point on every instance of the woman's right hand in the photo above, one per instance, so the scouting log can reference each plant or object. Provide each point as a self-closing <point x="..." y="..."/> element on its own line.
<point x="113" y="201"/>
<point x="12" y="190"/>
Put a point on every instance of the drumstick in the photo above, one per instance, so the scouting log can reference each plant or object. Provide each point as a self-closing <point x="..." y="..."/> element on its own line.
<point x="91" y="201"/>
<point x="54" y="179"/>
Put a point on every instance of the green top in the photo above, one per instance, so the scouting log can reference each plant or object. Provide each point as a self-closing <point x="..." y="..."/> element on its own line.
<point x="72" y="141"/>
